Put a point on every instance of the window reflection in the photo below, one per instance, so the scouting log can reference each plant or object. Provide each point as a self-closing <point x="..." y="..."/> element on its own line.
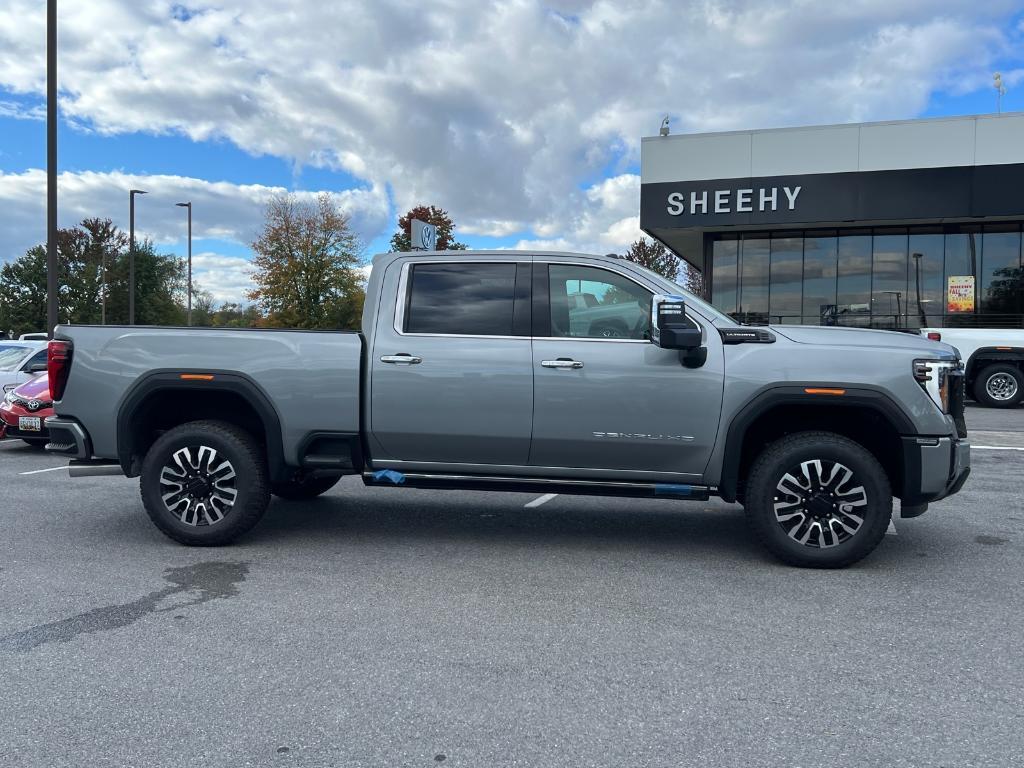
<point x="820" y="257"/>
<point x="786" y="292"/>
<point x="889" y="280"/>
<point x="1002" y="281"/>
<point x="474" y="299"/>
<point x="755" y="253"/>
<point x="886" y="278"/>
<point x="724" y="274"/>
<point x="853" y="286"/>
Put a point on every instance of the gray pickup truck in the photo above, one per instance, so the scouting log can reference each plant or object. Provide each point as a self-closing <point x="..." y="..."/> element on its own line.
<point x="497" y="370"/>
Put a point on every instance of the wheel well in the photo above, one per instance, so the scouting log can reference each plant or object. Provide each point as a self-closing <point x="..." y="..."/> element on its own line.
<point x="861" y="423"/>
<point x="165" y="408"/>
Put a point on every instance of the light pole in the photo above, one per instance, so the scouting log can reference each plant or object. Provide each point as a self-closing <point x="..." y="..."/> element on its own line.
<point x="917" y="283"/>
<point x="52" y="286"/>
<point x="131" y="253"/>
<point x="189" y="206"/>
<point x="997" y="83"/>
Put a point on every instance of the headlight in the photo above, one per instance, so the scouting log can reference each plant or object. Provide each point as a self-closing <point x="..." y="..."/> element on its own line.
<point x="933" y="376"/>
<point x="9" y="396"/>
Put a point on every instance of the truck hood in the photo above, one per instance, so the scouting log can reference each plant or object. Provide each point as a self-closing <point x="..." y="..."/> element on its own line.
<point x="865" y="337"/>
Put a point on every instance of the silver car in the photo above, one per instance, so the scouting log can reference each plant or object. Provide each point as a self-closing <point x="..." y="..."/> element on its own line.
<point x="20" y="361"/>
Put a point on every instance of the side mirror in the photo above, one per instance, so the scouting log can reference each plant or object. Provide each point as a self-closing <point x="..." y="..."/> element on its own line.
<point x="669" y="326"/>
<point x="37" y="368"/>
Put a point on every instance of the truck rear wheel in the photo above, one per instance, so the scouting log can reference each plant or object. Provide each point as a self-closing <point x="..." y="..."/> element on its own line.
<point x="818" y="500"/>
<point x="205" y="483"/>
<point x="306" y="488"/>
<point x="999" y="386"/>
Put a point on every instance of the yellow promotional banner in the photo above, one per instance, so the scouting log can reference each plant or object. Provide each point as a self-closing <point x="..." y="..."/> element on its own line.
<point x="960" y="293"/>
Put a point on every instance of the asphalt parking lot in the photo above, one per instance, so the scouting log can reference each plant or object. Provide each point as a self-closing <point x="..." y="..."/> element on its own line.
<point x="381" y="627"/>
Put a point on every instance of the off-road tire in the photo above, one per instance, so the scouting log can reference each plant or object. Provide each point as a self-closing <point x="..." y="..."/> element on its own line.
<point x="248" y="461"/>
<point x="778" y="458"/>
<point x="307" y="488"/>
<point x="999" y="371"/>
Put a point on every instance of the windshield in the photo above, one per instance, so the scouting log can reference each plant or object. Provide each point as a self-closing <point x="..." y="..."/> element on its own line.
<point x="10" y="356"/>
<point x="718" y="318"/>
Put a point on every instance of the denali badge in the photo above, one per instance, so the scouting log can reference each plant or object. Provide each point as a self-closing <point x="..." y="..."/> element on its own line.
<point x="641" y="436"/>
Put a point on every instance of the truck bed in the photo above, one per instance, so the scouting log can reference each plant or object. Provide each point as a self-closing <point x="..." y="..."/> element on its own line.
<point x="311" y="377"/>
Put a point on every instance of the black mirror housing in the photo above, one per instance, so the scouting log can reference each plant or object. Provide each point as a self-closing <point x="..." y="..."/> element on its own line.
<point x="670" y="328"/>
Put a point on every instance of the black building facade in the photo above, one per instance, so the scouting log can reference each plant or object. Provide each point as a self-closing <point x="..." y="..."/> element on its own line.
<point x="887" y="247"/>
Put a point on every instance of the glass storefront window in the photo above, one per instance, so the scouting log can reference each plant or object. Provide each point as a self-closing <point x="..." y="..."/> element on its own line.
<point x="754" y="254"/>
<point x="1001" y="280"/>
<point x="925" y="306"/>
<point x="724" y="274"/>
<point x="853" y="282"/>
<point x="820" y="255"/>
<point x="883" y="277"/>
<point x="786" y="282"/>
<point x="963" y="257"/>
<point x="889" y="279"/>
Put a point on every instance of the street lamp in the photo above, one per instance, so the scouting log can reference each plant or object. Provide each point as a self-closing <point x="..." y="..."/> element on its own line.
<point x="189" y="206"/>
<point x="917" y="283"/>
<point x="997" y="83"/>
<point x="52" y="286"/>
<point x="131" y="252"/>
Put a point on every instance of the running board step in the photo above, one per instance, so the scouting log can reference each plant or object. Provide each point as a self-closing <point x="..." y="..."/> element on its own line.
<point x="391" y="477"/>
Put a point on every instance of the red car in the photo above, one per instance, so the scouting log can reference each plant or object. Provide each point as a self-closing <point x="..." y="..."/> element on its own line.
<point x="24" y="410"/>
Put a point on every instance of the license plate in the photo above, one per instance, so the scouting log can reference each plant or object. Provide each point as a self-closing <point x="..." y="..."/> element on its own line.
<point x="30" y="423"/>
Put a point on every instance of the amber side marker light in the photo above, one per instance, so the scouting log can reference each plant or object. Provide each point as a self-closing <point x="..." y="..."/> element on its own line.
<point x="196" y="377"/>
<point x="824" y="391"/>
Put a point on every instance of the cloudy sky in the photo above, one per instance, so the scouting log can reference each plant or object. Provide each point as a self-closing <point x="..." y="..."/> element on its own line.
<point x="522" y="118"/>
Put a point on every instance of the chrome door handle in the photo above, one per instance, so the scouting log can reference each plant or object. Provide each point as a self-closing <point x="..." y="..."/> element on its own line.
<point x="401" y="359"/>
<point x="561" y="363"/>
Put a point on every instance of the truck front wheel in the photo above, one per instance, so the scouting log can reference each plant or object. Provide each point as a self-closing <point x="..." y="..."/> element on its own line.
<point x="205" y="483"/>
<point x="818" y="500"/>
<point x="999" y="386"/>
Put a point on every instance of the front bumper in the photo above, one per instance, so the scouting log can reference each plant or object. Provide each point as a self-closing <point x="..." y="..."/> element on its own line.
<point x="933" y="468"/>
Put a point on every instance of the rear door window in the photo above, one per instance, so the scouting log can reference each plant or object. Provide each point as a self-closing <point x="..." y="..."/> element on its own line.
<point x="461" y="299"/>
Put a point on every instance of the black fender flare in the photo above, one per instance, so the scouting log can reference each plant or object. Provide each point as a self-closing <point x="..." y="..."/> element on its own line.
<point x="165" y="380"/>
<point x="992" y="355"/>
<point x="772" y="397"/>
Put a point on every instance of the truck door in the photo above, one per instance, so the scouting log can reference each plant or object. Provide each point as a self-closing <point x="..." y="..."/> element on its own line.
<point x="451" y="370"/>
<point x="604" y="396"/>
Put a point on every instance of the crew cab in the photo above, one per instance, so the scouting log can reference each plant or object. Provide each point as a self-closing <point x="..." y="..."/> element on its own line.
<point x="495" y="370"/>
<point x="993" y="362"/>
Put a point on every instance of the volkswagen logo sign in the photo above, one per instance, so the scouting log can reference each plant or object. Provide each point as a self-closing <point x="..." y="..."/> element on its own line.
<point x="424" y="236"/>
<point x="34" y="405"/>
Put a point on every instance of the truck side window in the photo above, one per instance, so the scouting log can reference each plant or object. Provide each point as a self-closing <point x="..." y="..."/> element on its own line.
<point x="462" y="299"/>
<point x="39" y="358"/>
<point x="592" y="303"/>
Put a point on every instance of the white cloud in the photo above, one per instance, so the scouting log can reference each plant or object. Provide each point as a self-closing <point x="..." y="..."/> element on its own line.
<point x="496" y="111"/>
<point x="227" y="278"/>
<point x="220" y="210"/>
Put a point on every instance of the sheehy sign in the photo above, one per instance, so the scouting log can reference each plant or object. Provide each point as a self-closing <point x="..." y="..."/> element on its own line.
<point x="741" y="200"/>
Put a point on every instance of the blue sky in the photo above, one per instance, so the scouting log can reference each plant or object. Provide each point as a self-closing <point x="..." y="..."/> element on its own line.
<point x="522" y="119"/>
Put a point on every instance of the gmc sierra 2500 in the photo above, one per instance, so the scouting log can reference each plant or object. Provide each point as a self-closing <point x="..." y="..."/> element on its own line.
<point x="547" y="372"/>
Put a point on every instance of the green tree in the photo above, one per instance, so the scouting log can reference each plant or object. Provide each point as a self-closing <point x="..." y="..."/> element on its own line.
<point x="306" y="265"/>
<point x="82" y="252"/>
<point x="402" y="239"/>
<point x="655" y="256"/>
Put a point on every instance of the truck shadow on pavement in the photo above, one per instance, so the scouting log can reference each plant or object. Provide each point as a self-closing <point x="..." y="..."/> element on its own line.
<point x="495" y="519"/>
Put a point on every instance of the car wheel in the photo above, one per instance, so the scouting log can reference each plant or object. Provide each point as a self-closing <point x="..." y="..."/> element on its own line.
<point x="205" y="483"/>
<point x="306" y="488"/>
<point x="818" y="500"/>
<point x="999" y="386"/>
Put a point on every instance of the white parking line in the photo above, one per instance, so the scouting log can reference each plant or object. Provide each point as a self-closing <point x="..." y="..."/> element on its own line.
<point x="540" y="500"/>
<point x="996" y="448"/>
<point x="891" y="530"/>
<point x="37" y="471"/>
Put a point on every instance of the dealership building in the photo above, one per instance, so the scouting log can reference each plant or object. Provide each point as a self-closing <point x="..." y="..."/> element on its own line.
<point x="889" y="225"/>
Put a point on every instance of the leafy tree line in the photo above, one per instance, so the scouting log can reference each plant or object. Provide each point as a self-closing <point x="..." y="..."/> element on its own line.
<point x="84" y="253"/>
<point x="657" y="258"/>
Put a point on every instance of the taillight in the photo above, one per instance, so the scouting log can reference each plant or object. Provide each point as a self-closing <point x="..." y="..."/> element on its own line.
<point x="934" y="336"/>
<point x="58" y="366"/>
